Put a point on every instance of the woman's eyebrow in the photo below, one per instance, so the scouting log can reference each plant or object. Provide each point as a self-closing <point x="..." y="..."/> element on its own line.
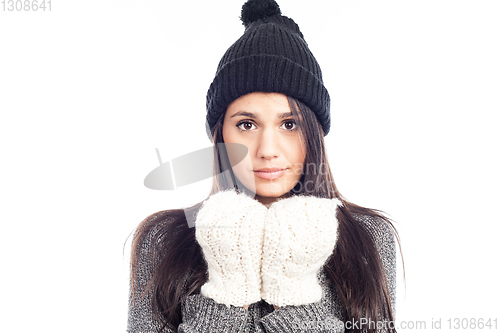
<point x="253" y="116"/>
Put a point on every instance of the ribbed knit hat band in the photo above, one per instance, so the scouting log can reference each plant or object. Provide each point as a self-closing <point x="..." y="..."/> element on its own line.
<point x="271" y="56"/>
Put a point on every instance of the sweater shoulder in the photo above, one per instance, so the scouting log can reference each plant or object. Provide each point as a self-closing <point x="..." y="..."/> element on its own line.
<point x="384" y="237"/>
<point x="156" y="229"/>
<point x="148" y="241"/>
<point x="380" y="230"/>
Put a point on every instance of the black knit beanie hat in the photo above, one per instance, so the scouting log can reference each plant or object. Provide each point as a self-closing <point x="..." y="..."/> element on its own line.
<point x="271" y="56"/>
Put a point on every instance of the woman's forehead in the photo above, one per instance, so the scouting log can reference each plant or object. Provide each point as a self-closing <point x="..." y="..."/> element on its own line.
<point x="258" y="104"/>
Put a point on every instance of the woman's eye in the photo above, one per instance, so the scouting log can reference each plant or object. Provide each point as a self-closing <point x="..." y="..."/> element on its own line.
<point x="245" y="126"/>
<point x="290" y="125"/>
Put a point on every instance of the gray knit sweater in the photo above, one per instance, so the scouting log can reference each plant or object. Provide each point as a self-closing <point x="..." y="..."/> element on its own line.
<point x="202" y="314"/>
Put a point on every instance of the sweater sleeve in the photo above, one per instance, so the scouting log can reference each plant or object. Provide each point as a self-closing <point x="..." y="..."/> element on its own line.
<point x="199" y="313"/>
<point x="321" y="316"/>
<point x="140" y="310"/>
<point x="386" y="246"/>
<point x="140" y="314"/>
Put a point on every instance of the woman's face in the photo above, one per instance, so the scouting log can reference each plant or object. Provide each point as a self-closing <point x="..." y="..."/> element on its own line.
<point x="263" y="122"/>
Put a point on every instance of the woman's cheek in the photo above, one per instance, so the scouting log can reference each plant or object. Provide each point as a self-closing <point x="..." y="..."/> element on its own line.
<point x="244" y="172"/>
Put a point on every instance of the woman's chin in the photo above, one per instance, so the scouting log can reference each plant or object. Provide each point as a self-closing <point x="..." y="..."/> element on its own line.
<point x="270" y="191"/>
<point x="266" y="188"/>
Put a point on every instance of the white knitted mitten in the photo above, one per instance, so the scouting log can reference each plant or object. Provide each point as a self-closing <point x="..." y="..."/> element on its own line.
<point x="230" y="231"/>
<point x="300" y="235"/>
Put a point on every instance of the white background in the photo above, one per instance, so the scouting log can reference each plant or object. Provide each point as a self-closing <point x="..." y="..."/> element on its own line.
<point x="91" y="88"/>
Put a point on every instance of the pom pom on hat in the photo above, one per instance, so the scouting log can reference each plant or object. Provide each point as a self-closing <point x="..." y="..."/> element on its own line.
<point x="254" y="10"/>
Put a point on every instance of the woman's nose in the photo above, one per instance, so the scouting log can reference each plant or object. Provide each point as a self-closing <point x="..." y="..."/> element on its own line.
<point x="268" y="144"/>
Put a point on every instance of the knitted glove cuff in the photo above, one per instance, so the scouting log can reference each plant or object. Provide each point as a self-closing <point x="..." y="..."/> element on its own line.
<point x="284" y="290"/>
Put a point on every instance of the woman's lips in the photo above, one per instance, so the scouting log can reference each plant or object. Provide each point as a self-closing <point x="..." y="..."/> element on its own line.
<point x="270" y="174"/>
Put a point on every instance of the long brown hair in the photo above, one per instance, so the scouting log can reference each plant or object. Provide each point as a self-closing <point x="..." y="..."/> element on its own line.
<point x="355" y="267"/>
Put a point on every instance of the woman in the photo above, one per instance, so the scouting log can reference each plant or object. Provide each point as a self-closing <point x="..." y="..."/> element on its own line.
<point x="275" y="247"/>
